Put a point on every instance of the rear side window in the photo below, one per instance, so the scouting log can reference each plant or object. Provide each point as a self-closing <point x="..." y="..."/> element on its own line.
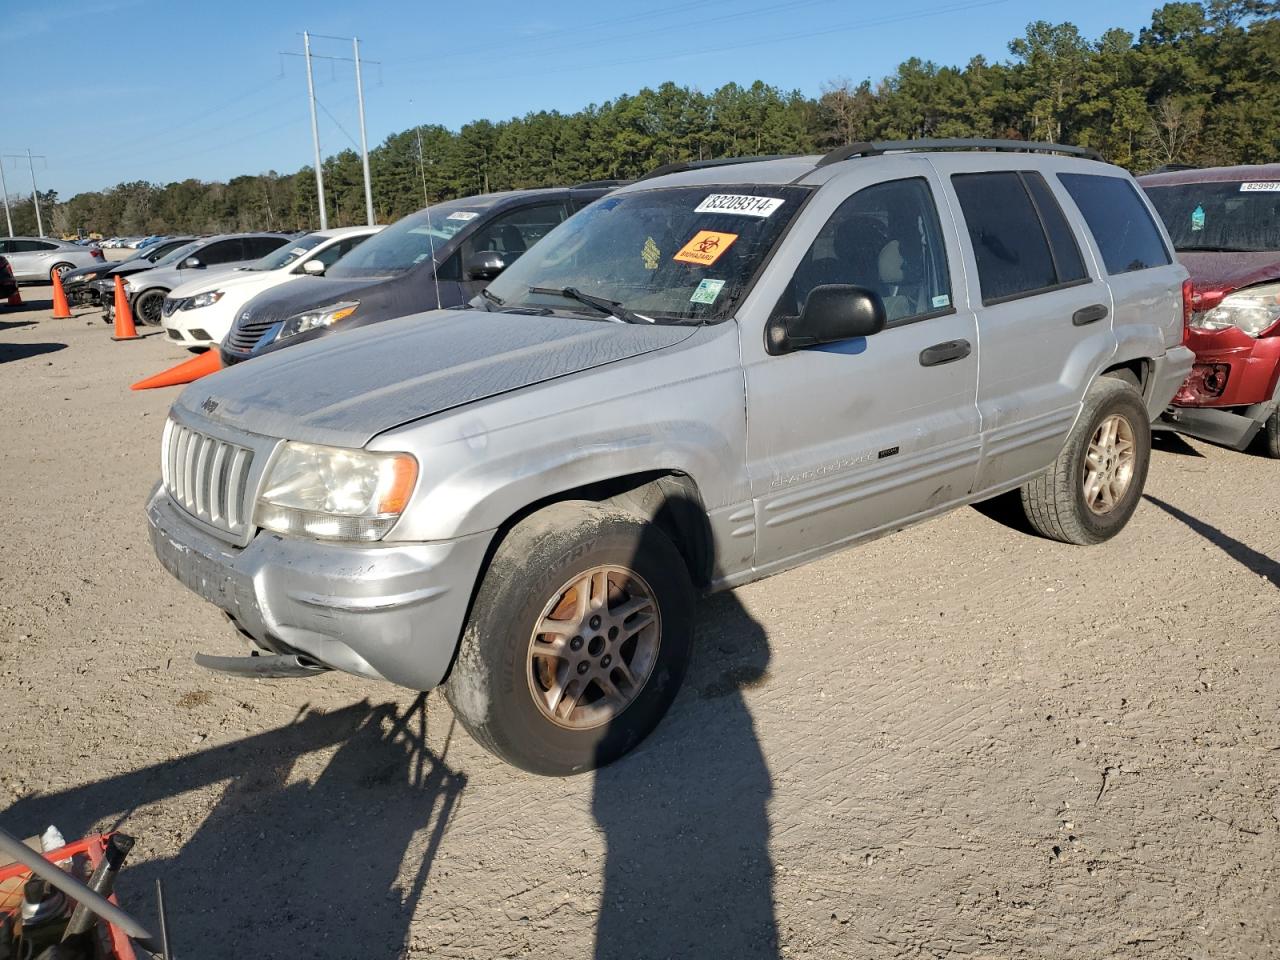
<point x="1010" y="240"/>
<point x="1062" y="242"/>
<point x="1123" y="229"/>
<point x="224" y="251"/>
<point x="255" y="247"/>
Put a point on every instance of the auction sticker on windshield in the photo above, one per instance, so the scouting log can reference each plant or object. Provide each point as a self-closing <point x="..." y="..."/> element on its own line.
<point x="1260" y="186"/>
<point x="462" y="215"/>
<point x="707" y="291"/>
<point x="706" y="247"/>
<point x="740" y="204"/>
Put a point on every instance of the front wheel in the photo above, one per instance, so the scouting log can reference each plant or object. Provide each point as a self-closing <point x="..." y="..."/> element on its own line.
<point x="1093" y="488"/>
<point x="147" y="307"/>
<point x="1271" y="436"/>
<point x="578" y="639"/>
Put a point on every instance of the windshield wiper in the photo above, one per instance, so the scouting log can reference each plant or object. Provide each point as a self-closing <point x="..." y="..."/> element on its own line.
<point x="493" y="298"/>
<point x="612" y="307"/>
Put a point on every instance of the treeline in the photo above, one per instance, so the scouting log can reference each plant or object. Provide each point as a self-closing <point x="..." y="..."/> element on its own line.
<point x="1199" y="85"/>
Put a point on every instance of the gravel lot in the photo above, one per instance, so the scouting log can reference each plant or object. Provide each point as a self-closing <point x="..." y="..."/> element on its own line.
<point x="959" y="740"/>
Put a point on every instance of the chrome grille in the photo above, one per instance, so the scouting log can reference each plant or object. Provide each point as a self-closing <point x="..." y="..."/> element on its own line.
<point x="207" y="477"/>
<point x="246" y="333"/>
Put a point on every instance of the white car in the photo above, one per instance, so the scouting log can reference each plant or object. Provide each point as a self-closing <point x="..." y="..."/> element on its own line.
<point x="200" y="312"/>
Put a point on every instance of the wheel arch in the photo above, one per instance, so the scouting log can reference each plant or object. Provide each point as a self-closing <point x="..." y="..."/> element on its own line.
<point x="1136" y="371"/>
<point x="667" y="497"/>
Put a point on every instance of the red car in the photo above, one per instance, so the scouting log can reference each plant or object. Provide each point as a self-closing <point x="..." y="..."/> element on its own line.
<point x="8" y="286"/>
<point x="1225" y="226"/>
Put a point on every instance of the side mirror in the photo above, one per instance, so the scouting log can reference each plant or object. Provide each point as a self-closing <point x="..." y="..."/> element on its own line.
<point x="832" y="312"/>
<point x="484" y="265"/>
<point x="314" y="268"/>
<point x="191" y="263"/>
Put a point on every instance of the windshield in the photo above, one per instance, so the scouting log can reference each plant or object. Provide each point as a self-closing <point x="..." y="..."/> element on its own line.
<point x="181" y="253"/>
<point x="161" y="249"/>
<point x="1228" y="216"/>
<point x="409" y="241"/>
<point x="289" y="253"/>
<point x="680" y="253"/>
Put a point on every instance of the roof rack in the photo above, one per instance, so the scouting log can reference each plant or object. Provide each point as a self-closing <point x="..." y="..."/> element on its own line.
<point x="587" y="184"/>
<point x="681" y="165"/>
<point x="877" y="148"/>
<point x="1171" y="168"/>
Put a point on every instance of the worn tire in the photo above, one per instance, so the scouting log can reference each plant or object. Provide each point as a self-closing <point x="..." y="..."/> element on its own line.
<point x="1271" y="436"/>
<point x="1054" y="502"/>
<point x="491" y="688"/>
<point x="148" y="306"/>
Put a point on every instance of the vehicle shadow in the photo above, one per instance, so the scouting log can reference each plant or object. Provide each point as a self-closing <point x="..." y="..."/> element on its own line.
<point x="1259" y="563"/>
<point x="10" y="352"/>
<point x="12" y="324"/>
<point x="300" y="856"/>
<point x="1167" y="441"/>
<point x="685" y="817"/>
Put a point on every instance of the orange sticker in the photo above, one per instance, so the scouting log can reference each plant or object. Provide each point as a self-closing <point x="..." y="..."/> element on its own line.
<point x="705" y="248"/>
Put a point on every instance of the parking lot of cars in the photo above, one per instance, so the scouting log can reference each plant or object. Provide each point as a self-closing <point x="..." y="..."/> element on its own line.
<point x="961" y="738"/>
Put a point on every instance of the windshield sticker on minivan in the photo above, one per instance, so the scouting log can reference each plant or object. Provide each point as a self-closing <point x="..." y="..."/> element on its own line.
<point x="462" y="215"/>
<point x="739" y="204"/>
<point x="1261" y="186"/>
<point x="706" y="247"/>
<point x="650" y="254"/>
<point x="707" y="291"/>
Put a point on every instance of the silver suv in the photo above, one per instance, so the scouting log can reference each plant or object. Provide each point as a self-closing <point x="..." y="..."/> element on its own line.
<point x="705" y="378"/>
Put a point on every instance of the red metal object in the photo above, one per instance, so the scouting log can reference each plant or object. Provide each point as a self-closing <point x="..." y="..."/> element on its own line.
<point x="117" y="943"/>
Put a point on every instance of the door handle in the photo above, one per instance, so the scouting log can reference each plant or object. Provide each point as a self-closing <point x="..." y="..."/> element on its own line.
<point x="945" y="352"/>
<point x="1091" y="314"/>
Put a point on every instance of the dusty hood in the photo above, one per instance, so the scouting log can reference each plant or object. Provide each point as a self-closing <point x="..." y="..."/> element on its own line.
<point x="1217" y="271"/>
<point x="345" y="390"/>
<point x="236" y="279"/>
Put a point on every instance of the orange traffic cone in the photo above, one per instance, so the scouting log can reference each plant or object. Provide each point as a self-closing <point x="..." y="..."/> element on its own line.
<point x="16" y="299"/>
<point x="61" y="310"/>
<point x="124" y="316"/>
<point x="185" y="372"/>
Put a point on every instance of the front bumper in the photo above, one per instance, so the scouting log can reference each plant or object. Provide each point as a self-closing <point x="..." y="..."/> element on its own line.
<point x="387" y="611"/>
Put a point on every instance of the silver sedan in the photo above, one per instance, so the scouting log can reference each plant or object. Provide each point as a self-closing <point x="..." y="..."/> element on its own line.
<point x="38" y="258"/>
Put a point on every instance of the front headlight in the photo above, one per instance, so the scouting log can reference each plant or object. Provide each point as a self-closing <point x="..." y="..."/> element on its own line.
<point x="208" y="298"/>
<point x="335" y="494"/>
<point x="324" y="317"/>
<point x="86" y="278"/>
<point x="1252" y="310"/>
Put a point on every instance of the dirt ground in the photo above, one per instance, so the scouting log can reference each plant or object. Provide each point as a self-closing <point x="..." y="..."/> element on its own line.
<point x="957" y="741"/>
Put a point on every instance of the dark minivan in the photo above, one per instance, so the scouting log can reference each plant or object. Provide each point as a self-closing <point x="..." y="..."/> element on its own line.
<point x="467" y="241"/>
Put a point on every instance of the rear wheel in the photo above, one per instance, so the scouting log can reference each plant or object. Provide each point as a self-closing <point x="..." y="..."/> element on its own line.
<point x="577" y="642"/>
<point x="60" y="270"/>
<point x="1093" y="488"/>
<point x="147" y="307"/>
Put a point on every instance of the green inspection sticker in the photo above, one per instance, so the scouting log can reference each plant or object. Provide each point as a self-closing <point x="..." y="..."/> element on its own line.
<point x="707" y="291"/>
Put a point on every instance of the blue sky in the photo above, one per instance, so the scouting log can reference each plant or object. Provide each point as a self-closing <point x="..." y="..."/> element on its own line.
<point x="160" y="90"/>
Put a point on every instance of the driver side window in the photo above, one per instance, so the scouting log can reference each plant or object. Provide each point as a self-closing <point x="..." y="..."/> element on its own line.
<point x="511" y="234"/>
<point x="887" y="239"/>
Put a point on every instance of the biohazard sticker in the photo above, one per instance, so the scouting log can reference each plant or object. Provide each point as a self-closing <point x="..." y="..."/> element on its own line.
<point x="706" y="247"/>
<point x="462" y="215"/>
<point x="707" y="291"/>
<point x="1261" y="186"/>
<point x="650" y="254"/>
<point x="740" y="204"/>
